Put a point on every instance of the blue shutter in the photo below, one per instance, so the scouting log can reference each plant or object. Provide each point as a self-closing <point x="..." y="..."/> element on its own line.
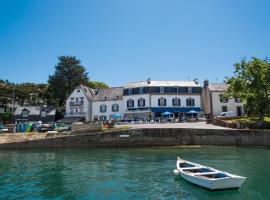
<point x="138" y="103"/>
<point x="187" y="102"/>
<point x="165" y="102"/>
<point x="143" y="102"/>
<point x="158" y="102"/>
<point x="193" y="103"/>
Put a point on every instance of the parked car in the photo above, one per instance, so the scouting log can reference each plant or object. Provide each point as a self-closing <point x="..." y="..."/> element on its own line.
<point x="3" y="129"/>
<point x="227" y="114"/>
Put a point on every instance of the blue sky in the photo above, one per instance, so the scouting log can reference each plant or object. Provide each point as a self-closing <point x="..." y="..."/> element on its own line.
<point x="130" y="40"/>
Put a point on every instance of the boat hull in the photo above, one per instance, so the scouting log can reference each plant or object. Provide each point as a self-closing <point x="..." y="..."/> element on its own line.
<point x="218" y="184"/>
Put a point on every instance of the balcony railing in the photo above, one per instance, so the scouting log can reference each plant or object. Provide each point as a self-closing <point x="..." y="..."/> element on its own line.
<point x="79" y="103"/>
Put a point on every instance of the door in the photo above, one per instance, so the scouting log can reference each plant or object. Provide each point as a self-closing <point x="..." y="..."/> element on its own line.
<point x="239" y="111"/>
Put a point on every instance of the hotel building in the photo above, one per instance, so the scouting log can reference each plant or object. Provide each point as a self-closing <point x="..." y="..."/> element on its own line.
<point x="147" y="100"/>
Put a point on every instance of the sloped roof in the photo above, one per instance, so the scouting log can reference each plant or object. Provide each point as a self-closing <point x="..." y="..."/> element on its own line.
<point x="34" y="110"/>
<point x="110" y="94"/>
<point x="162" y="84"/>
<point x="89" y="92"/>
<point x="217" y="87"/>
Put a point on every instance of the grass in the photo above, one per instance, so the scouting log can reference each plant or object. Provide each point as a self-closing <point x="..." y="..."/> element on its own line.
<point x="251" y="122"/>
<point x="248" y="120"/>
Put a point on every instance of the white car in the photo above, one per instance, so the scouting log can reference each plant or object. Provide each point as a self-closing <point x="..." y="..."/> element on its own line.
<point x="227" y="114"/>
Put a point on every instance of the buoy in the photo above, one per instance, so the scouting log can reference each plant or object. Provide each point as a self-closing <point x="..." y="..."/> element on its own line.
<point x="176" y="172"/>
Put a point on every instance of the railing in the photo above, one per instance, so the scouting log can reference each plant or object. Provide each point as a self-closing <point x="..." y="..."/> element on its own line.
<point x="80" y="103"/>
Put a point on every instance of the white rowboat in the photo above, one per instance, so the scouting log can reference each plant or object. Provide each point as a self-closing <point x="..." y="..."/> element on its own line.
<point x="207" y="177"/>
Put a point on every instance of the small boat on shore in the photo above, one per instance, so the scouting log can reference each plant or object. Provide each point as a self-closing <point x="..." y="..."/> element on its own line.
<point x="207" y="177"/>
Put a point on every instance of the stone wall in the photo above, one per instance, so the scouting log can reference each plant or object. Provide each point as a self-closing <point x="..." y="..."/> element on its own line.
<point x="88" y="127"/>
<point x="149" y="138"/>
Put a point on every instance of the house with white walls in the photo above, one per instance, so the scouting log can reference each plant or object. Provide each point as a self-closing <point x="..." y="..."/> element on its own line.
<point x="106" y="103"/>
<point x="79" y="104"/>
<point x="145" y="100"/>
<point x="215" y="103"/>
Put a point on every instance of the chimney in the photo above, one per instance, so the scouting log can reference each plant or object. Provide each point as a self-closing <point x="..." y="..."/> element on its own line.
<point x="148" y="80"/>
<point x="206" y="83"/>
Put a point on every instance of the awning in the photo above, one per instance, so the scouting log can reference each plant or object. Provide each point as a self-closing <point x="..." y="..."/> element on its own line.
<point x="175" y="110"/>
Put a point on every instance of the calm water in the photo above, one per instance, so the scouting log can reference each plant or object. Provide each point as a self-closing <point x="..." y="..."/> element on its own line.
<point x="127" y="173"/>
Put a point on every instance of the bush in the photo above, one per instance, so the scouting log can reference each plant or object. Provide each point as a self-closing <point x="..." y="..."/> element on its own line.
<point x="6" y="118"/>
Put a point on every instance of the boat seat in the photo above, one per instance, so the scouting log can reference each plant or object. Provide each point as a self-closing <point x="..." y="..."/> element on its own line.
<point x="191" y="168"/>
<point x="206" y="173"/>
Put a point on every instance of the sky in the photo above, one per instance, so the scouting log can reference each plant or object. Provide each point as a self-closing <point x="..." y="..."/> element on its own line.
<point x="120" y="41"/>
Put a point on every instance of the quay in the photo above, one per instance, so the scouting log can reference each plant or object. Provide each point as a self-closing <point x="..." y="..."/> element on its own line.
<point x="141" y="136"/>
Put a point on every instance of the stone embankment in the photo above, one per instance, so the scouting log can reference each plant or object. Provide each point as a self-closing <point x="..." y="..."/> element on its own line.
<point x="147" y="138"/>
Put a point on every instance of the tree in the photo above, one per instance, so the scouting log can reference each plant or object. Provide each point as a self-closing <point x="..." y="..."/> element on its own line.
<point x="251" y="83"/>
<point x="97" y="85"/>
<point x="68" y="74"/>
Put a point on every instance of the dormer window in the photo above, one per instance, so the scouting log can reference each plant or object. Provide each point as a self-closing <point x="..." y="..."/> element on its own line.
<point x="43" y="113"/>
<point x="115" y="97"/>
<point x="161" y="89"/>
<point x="104" y="98"/>
<point x="78" y="90"/>
<point x="175" y="90"/>
<point x="129" y="91"/>
<point x="189" y="90"/>
<point x="141" y="90"/>
<point x="25" y="113"/>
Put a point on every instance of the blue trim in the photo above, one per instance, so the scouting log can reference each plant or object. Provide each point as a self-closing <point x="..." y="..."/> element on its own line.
<point x="176" y="109"/>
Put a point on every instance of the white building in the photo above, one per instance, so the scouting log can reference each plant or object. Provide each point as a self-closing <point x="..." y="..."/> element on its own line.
<point x="214" y="103"/>
<point x="147" y="100"/>
<point x="106" y="103"/>
<point x="79" y="104"/>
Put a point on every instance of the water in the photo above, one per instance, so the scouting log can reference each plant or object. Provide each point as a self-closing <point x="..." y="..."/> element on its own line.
<point x="127" y="173"/>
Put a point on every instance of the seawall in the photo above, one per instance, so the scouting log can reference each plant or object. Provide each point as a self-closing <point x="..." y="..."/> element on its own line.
<point x="149" y="138"/>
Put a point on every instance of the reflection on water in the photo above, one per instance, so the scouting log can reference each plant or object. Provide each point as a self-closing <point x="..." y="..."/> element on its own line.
<point x="127" y="173"/>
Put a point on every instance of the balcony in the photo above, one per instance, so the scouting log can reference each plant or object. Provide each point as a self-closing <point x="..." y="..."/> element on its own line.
<point x="79" y="103"/>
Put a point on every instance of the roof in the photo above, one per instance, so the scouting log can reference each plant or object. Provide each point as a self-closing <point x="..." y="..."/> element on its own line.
<point x="34" y="110"/>
<point x="110" y="94"/>
<point x="217" y="87"/>
<point x="89" y="92"/>
<point x="161" y="83"/>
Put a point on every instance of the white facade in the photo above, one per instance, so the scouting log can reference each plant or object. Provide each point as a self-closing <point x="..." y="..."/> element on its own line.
<point x="169" y="99"/>
<point x="214" y="104"/>
<point x="219" y="107"/>
<point x="78" y="104"/>
<point x="99" y="114"/>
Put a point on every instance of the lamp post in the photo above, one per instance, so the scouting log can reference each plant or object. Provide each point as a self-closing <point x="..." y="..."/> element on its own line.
<point x="13" y="98"/>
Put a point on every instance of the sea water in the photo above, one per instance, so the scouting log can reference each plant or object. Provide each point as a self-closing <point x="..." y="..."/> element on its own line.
<point x="127" y="173"/>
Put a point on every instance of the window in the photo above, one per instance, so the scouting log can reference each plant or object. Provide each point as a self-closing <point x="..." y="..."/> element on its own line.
<point x="161" y="101"/>
<point x="189" y="90"/>
<point x="129" y="91"/>
<point x="76" y="110"/>
<point x="223" y="99"/>
<point x="141" y="102"/>
<point x="25" y="113"/>
<point x="141" y="90"/>
<point x="175" y="90"/>
<point x="71" y="111"/>
<point x="103" y="108"/>
<point x="78" y="90"/>
<point x="81" y="111"/>
<point x="104" y="98"/>
<point x="77" y="99"/>
<point x="224" y="109"/>
<point x="130" y="103"/>
<point x="102" y="118"/>
<point x="115" y="96"/>
<point x="43" y="113"/>
<point x="161" y="89"/>
<point x="237" y="100"/>
<point x="176" y="102"/>
<point x="115" y="107"/>
<point x="190" y="102"/>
